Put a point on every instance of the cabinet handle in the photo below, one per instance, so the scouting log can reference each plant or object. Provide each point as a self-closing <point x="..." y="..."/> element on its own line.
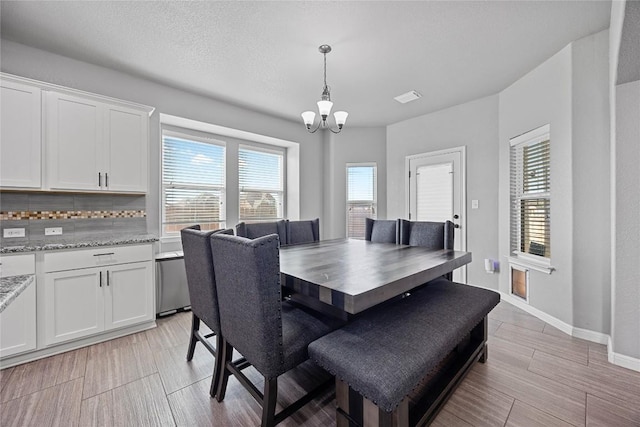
<point x="107" y="277"/>
<point x="105" y="254"/>
<point x="100" y="279"/>
<point x="99" y="179"/>
<point x="106" y="179"/>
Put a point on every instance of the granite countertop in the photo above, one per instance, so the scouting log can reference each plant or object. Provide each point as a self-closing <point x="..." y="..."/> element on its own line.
<point x="86" y="242"/>
<point x="11" y="287"/>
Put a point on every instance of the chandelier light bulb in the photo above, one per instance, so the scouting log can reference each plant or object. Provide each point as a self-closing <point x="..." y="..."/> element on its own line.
<point x="325" y="104"/>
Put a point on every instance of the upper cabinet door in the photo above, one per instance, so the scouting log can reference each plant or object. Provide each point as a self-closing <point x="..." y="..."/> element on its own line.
<point x="74" y="143"/>
<point x="20" y="139"/>
<point x="126" y="149"/>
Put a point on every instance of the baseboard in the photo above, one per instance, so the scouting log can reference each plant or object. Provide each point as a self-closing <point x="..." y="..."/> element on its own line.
<point x="585" y="334"/>
<point x="622" y="360"/>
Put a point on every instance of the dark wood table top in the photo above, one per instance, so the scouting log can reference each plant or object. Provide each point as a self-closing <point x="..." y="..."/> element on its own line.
<point x="353" y="275"/>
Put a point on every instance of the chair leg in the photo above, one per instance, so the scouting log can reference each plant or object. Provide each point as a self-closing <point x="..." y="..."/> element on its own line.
<point x="225" y="352"/>
<point x="218" y="366"/>
<point x="269" y="402"/>
<point x="195" y="326"/>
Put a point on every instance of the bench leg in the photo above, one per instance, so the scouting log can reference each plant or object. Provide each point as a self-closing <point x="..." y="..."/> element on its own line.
<point x="484" y="355"/>
<point x="355" y="410"/>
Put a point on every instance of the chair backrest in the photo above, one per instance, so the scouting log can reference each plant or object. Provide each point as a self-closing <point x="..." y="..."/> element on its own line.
<point x="248" y="283"/>
<point x="381" y="230"/>
<point x="258" y="229"/>
<point x="200" y="277"/>
<point x="432" y="235"/>
<point x="303" y="231"/>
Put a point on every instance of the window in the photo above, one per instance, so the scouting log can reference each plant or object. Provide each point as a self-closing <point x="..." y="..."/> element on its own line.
<point x="261" y="181"/>
<point x="531" y="194"/>
<point x="361" y="197"/>
<point x="193" y="183"/>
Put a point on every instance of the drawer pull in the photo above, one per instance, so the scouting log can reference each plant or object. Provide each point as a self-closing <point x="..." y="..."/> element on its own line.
<point x="105" y="254"/>
<point x="100" y="279"/>
<point x="107" y="277"/>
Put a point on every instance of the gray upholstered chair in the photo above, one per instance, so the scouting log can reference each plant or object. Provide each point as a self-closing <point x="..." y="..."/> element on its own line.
<point x="303" y="231"/>
<point x="258" y="229"/>
<point x="271" y="334"/>
<point x="432" y="235"/>
<point x="381" y="230"/>
<point x="202" y="292"/>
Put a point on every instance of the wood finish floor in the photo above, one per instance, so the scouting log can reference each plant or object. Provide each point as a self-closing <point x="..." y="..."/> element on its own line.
<point x="535" y="376"/>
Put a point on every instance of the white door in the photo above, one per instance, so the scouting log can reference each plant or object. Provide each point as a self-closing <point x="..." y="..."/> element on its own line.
<point x="74" y="143"/>
<point x="20" y="140"/>
<point x="126" y="149"/>
<point x="437" y="192"/>
<point x="129" y="294"/>
<point x="74" y="304"/>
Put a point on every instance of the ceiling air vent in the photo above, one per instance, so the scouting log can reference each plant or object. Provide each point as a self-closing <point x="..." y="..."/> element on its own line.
<point x="412" y="95"/>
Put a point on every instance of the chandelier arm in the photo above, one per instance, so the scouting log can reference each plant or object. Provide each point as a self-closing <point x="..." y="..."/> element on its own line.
<point x="334" y="131"/>
<point x="317" y="127"/>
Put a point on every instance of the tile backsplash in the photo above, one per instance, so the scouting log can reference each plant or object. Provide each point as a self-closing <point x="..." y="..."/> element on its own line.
<point x="79" y="215"/>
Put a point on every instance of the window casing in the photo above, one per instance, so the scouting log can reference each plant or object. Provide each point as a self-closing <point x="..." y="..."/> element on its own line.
<point x="530" y="195"/>
<point x="193" y="183"/>
<point x="362" y="189"/>
<point x="261" y="178"/>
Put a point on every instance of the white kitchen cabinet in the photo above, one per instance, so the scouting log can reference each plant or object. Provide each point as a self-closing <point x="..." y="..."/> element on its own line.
<point x="20" y="139"/>
<point x="95" y="146"/>
<point x="18" y="320"/>
<point x="18" y="324"/>
<point x="89" y="299"/>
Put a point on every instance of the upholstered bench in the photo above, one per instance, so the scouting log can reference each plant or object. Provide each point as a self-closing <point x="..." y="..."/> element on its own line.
<point x="397" y="364"/>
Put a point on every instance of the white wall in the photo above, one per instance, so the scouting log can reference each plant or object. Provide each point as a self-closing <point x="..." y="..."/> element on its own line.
<point x="474" y="125"/>
<point x="626" y="264"/>
<point x="44" y="66"/>
<point x="543" y="96"/>
<point x="352" y="145"/>
<point x="591" y="184"/>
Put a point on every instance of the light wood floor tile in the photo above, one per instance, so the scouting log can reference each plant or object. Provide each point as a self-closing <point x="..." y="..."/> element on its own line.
<point x="113" y="368"/>
<point x="523" y="415"/>
<point x="562" y="347"/>
<point x="509" y="353"/>
<point x="177" y="373"/>
<point x="139" y="403"/>
<point x="192" y="406"/>
<point x="493" y="326"/>
<point x="169" y="333"/>
<point x="35" y="376"/>
<point x="447" y="419"/>
<point x="479" y="406"/>
<point x="54" y="406"/>
<point x="508" y="313"/>
<point x="604" y="382"/>
<point x="4" y="376"/>
<point x="562" y="401"/>
<point x="601" y="412"/>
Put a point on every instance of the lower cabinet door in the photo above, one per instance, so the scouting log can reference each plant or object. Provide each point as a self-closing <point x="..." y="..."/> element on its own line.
<point x="129" y="294"/>
<point x="74" y="304"/>
<point x="18" y="324"/>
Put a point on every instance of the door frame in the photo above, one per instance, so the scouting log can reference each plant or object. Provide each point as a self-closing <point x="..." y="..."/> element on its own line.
<point x="463" y="191"/>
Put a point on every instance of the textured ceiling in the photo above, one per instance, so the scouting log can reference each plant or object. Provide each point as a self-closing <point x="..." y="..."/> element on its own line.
<point x="263" y="55"/>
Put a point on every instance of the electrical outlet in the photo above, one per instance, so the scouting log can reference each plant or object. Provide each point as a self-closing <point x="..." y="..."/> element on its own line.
<point x="13" y="232"/>
<point x="53" y="231"/>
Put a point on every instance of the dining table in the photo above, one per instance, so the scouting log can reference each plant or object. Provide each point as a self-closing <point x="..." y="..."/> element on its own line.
<point x="344" y="277"/>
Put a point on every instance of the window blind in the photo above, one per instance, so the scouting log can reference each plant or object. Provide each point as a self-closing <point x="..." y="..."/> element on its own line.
<point x="261" y="180"/>
<point x="531" y="196"/>
<point x="193" y="184"/>
<point x="434" y="188"/>
<point x="361" y="198"/>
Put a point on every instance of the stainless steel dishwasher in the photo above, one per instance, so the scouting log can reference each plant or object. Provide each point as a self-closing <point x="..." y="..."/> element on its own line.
<point x="172" y="293"/>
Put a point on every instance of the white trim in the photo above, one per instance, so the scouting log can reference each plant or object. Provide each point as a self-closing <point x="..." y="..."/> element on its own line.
<point x="556" y="323"/>
<point x="593" y="336"/>
<point x="621" y="359"/>
<point x="48" y="87"/>
<point x="526" y="262"/>
<point x="532" y="137"/>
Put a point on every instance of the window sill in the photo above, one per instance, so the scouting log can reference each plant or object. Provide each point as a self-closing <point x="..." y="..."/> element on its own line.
<point x="522" y="260"/>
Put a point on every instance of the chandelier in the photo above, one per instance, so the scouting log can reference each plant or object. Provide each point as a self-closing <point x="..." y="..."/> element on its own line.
<point x="325" y="104"/>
